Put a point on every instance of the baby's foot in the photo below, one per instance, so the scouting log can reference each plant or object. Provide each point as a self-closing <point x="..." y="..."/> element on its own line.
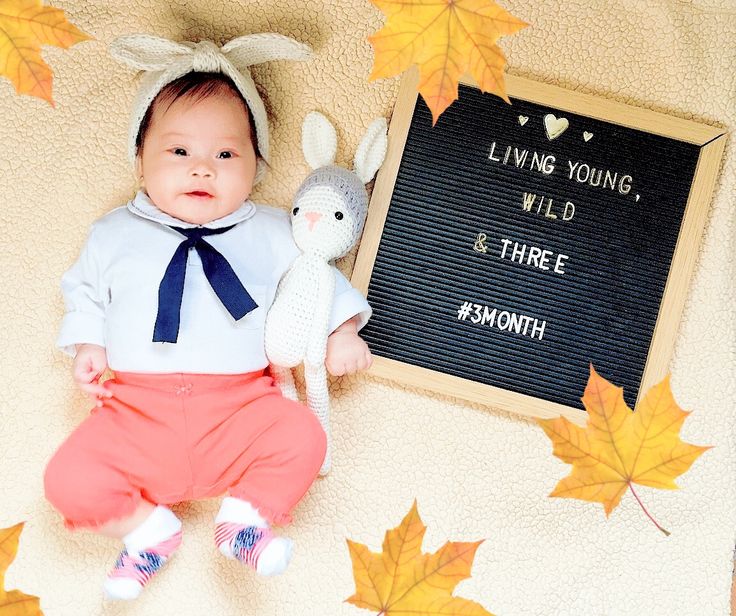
<point x="133" y="570"/>
<point x="255" y="546"/>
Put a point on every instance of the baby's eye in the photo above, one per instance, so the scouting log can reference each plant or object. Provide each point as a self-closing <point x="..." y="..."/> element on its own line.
<point x="228" y="153"/>
<point x="295" y="211"/>
<point x="177" y="152"/>
<point x="339" y="215"/>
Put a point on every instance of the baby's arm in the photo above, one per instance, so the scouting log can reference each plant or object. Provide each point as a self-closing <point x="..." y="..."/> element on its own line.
<point x="347" y="352"/>
<point x="89" y="364"/>
<point x="82" y="330"/>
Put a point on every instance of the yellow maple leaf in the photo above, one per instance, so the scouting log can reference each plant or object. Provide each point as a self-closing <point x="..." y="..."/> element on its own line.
<point x="402" y="581"/>
<point x="446" y="38"/>
<point x="14" y="602"/>
<point x="618" y="447"/>
<point x="25" y="25"/>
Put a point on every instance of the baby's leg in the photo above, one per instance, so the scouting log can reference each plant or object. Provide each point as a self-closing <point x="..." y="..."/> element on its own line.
<point x="147" y="548"/>
<point x="271" y="450"/>
<point x="117" y="529"/>
<point x="87" y="482"/>
<point x="243" y="534"/>
<point x="90" y="481"/>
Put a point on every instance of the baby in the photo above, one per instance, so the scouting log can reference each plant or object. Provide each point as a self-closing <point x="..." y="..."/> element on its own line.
<point x="171" y="292"/>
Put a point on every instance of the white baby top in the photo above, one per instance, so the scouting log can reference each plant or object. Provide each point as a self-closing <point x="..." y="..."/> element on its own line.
<point x="111" y="292"/>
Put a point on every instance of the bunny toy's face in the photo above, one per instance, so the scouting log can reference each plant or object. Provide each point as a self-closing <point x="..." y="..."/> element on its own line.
<point x="322" y="224"/>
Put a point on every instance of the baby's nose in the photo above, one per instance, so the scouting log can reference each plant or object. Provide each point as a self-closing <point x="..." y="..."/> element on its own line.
<point x="202" y="169"/>
<point x="312" y="217"/>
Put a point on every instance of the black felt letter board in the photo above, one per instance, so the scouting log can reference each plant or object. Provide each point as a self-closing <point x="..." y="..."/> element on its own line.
<point x="462" y="187"/>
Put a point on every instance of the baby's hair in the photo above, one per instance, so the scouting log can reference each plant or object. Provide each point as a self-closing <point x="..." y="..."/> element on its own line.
<point x="196" y="86"/>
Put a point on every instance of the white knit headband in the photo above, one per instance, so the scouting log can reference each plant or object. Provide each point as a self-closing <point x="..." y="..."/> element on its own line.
<point x="164" y="61"/>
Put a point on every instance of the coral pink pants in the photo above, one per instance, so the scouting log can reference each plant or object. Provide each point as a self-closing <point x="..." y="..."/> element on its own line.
<point x="176" y="437"/>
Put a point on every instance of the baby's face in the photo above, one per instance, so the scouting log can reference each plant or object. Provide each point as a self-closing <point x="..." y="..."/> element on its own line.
<point x="198" y="161"/>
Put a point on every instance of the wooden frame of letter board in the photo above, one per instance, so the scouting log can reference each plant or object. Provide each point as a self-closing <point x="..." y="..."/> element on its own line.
<point x="712" y="142"/>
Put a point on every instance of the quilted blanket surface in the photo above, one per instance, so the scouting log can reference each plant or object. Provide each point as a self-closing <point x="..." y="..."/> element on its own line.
<point x="476" y="473"/>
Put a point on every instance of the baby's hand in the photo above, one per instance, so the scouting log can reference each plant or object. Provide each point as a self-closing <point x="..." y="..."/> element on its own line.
<point x="347" y="352"/>
<point x="89" y="364"/>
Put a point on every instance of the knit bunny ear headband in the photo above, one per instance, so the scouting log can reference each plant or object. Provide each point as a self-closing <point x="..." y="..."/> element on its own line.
<point x="164" y="61"/>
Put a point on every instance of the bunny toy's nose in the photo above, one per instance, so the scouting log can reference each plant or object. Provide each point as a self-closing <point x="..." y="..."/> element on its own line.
<point x="312" y="217"/>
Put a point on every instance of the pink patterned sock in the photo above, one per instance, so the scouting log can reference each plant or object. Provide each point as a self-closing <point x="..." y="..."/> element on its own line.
<point x="254" y="546"/>
<point x="133" y="570"/>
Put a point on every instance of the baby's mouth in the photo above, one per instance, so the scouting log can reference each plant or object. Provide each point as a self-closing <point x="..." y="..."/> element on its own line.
<point x="200" y="194"/>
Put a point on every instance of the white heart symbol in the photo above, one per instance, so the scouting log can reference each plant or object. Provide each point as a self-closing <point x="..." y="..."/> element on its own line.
<point x="587" y="136"/>
<point x="555" y="127"/>
<point x="523" y="120"/>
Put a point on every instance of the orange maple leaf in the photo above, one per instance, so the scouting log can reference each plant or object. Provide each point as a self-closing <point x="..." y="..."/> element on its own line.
<point x="401" y="580"/>
<point x="14" y="603"/>
<point x="446" y="38"/>
<point x="25" y="25"/>
<point x="618" y="447"/>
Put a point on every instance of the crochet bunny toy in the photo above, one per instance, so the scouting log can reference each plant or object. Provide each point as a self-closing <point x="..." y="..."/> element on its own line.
<point x="327" y="220"/>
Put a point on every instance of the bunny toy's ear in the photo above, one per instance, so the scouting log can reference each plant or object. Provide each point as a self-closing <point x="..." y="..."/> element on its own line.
<point x="319" y="140"/>
<point x="372" y="150"/>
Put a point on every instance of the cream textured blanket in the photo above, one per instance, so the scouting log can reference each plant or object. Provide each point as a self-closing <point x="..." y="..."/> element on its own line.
<point x="475" y="472"/>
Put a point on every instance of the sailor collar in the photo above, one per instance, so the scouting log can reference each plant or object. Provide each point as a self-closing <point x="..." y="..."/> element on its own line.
<point x="141" y="205"/>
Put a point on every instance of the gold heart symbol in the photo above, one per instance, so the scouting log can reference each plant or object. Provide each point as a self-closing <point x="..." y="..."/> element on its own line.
<point x="523" y="120"/>
<point x="555" y="126"/>
<point x="587" y="136"/>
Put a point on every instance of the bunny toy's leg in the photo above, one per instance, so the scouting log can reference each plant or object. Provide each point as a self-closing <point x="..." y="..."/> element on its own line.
<point x="318" y="399"/>
<point x="315" y="372"/>
<point x="284" y="378"/>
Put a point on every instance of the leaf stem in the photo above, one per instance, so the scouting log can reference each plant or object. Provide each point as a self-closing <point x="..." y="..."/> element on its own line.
<point x="636" y="496"/>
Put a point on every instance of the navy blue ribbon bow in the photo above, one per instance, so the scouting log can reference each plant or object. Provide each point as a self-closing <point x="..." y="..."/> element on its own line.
<point x="220" y="275"/>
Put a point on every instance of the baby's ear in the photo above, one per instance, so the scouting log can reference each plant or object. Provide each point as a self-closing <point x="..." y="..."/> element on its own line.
<point x="138" y="167"/>
<point x="319" y="140"/>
